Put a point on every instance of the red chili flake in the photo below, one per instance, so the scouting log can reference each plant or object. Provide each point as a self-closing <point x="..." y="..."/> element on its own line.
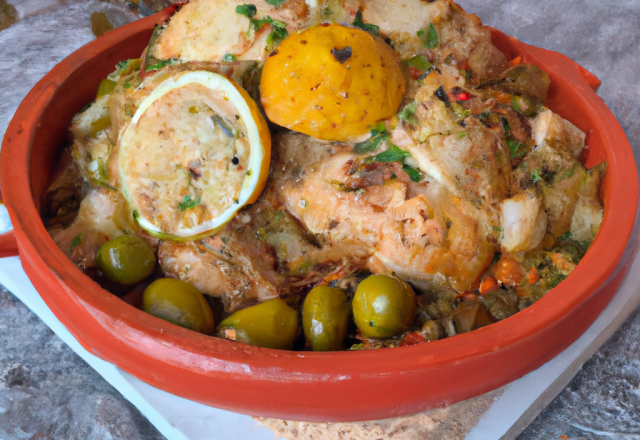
<point x="414" y="72"/>
<point x="325" y="24"/>
<point x="412" y="338"/>
<point x="464" y="96"/>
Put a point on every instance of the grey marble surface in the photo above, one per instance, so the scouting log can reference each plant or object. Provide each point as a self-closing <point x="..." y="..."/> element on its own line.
<point x="47" y="392"/>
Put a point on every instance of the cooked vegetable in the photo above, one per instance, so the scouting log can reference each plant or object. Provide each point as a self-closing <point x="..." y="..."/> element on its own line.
<point x="331" y="82"/>
<point x="271" y="324"/>
<point x="383" y="306"/>
<point x="325" y="318"/>
<point x="179" y="303"/>
<point x="127" y="259"/>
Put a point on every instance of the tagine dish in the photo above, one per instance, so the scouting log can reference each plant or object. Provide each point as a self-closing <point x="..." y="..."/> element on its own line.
<point x="322" y="176"/>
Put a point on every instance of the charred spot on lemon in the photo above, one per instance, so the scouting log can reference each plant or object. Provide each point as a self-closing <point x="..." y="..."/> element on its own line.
<point x="197" y="150"/>
<point x="331" y="82"/>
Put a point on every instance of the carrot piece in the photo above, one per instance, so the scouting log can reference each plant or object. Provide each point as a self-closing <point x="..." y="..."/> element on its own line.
<point x="533" y="275"/>
<point x="489" y="284"/>
<point x="508" y="271"/>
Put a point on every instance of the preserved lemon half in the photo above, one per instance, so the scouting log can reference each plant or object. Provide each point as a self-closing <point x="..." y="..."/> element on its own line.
<point x="196" y="151"/>
<point x="331" y="82"/>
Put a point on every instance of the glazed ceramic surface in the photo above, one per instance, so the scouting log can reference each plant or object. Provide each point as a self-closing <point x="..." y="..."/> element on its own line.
<point x="340" y="386"/>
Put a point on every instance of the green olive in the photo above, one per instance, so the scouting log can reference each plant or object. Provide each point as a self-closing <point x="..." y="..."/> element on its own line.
<point x="127" y="259"/>
<point x="179" y="303"/>
<point x="325" y="318"/>
<point x="271" y="324"/>
<point x="383" y="306"/>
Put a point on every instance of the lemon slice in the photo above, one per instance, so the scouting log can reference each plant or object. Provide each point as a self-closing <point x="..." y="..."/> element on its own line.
<point x="196" y="151"/>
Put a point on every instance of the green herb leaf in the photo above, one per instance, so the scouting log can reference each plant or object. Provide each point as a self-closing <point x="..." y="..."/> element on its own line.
<point x="420" y="62"/>
<point x="371" y="28"/>
<point x="276" y="3"/>
<point x="276" y="24"/>
<point x="371" y="144"/>
<point x="276" y="36"/>
<point x="160" y="64"/>
<point x="536" y="177"/>
<point x="414" y="175"/>
<point x="429" y="37"/>
<point x="228" y="57"/>
<point x="248" y="11"/>
<point x="187" y="203"/>
<point x="77" y="241"/>
<point x="407" y="113"/>
<point x="378" y="135"/>
<point x="391" y="154"/>
<point x="516" y="149"/>
<point x="565" y="237"/>
<point x="568" y="173"/>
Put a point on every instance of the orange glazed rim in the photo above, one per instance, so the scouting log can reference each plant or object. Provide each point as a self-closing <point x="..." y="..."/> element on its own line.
<point x="335" y="386"/>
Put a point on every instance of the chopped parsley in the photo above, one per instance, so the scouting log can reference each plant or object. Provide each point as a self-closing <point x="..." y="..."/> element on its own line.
<point x="565" y="237"/>
<point x="414" y="175"/>
<point x="536" y="177"/>
<point x="77" y="241"/>
<point x="248" y="11"/>
<point x="159" y="64"/>
<point x="516" y="149"/>
<point x="228" y="57"/>
<point x="378" y="136"/>
<point x="429" y="37"/>
<point x="276" y="3"/>
<point x="407" y="113"/>
<point x="188" y="203"/>
<point x="360" y="24"/>
<point x="391" y="154"/>
<point x="420" y="62"/>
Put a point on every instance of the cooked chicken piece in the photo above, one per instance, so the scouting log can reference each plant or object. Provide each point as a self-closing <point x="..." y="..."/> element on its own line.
<point x="472" y="162"/>
<point x="206" y="30"/>
<point x="421" y="233"/>
<point x="462" y="39"/>
<point x="524" y="222"/>
<point x="401" y="20"/>
<point x="588" y="213"/>
<point x="92" y="141"/>
<point x="558" y="133"/>
<point x="239" y="269"/>
<point x="102" y="216"/>
<point x="561" y="197"/>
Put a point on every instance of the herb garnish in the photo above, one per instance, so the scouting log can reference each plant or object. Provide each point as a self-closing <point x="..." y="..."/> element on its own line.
<point x="414" y="175"/>
<point x="407" y="113"/>
<point x="248" y="11"/>
<point x="536" y="177"/>
<point x="276" y="3"/>
<point x="187" y="203"/>
<point x="360" y="24"/>
<point x="77" y="241"/>
<point x="378" y="135"/>
<point x="228" y="57"/>
<point x="391" y="154"/>
<point x="565" y="237"/>
<point x="429" y="37"/>
<point x="516" y="149"/>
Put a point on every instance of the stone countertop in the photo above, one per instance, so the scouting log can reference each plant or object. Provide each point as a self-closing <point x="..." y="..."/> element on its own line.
<point x="47" y="392"/>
